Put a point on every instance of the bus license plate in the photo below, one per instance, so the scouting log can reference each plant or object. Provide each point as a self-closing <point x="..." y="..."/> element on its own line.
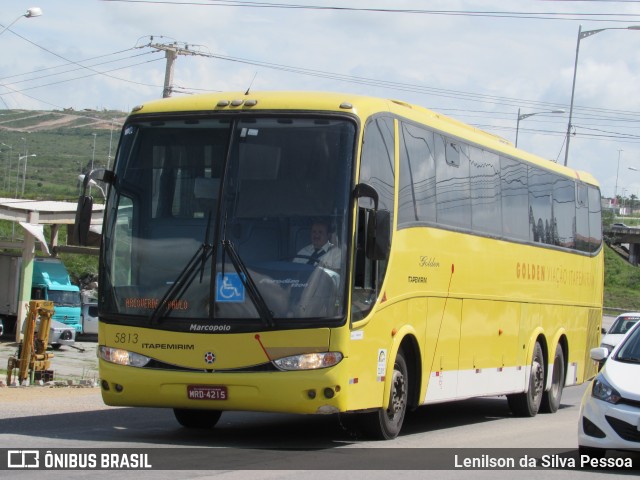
<point x="207" y="392"/>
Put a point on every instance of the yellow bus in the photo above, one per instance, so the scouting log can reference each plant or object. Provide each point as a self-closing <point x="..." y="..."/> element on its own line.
<point x="322" y="253"/>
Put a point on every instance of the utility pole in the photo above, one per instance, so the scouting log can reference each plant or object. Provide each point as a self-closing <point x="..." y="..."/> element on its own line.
<point x="170" y="55"/>
<point x="172" y="50"/>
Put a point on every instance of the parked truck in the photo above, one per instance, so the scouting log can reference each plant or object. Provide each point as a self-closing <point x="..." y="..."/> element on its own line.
<point x="50" y="281"/>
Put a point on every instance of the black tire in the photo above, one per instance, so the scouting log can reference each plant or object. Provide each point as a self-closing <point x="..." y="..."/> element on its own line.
<point x="385" y="424"/>
<point x="592" y="452"/>
<point x="527" y="404"/>
<point x="56" y="346"/>
<point x="551" y="398"/>
<point x="200" y="419"/>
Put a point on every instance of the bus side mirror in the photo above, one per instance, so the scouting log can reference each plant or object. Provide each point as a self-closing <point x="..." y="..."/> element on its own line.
<point x="83" y="220"/>
<point x="363" y="192"/>
<point x="85" y="203"/>
<point x="378" y="222"/>
<point x="378" y="235"/>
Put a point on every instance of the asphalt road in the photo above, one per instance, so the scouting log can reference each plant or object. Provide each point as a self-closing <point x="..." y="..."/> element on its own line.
<point x="267" y="446"/>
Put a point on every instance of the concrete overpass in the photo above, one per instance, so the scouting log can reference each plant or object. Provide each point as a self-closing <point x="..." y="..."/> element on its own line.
<point x="31" y="216"/>
<point x="619" y="233"/>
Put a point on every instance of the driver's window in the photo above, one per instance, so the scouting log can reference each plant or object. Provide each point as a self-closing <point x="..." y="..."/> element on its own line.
<point x="376" y="170"/>
<point x="122" y="243"/>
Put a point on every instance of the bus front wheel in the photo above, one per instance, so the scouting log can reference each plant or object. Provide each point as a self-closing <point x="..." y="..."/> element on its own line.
<point x="201" y="419"/>
<point x="527" y="404"/>
<point x="385" y="423"/>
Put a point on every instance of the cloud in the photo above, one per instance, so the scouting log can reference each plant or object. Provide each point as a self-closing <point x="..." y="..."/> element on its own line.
<point x="504" y="63"/>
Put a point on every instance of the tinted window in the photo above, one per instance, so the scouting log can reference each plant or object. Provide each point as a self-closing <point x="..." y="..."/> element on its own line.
<point x="540" y="194"/>
<point x="595" y="219"/>
<point x="377" y="170"/>
<point x="417" y="176"/>
<point x="582" y="218"/>
<point x="458" y="185"/>
<point x="486" y="200"/>
<point x="564" y="212"/>
<point x="515" y="199"/>
<point x="376" y="167"/>
<point x="452" y="183"/>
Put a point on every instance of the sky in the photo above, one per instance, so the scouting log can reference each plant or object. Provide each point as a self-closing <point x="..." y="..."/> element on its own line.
<point x="479" y="61"/>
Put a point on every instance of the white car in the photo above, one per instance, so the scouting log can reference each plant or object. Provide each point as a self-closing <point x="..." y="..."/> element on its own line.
<point x="59" y="334"/>
<point x="619" y="327"/>
<point x="610" y="409"/>
<point x="90" y="319"/>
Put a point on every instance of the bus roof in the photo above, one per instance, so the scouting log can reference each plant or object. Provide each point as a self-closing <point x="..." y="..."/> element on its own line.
<point x="359" y="105"/>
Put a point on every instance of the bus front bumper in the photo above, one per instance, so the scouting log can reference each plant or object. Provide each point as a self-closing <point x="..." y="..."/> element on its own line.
<point x="319" y="391"/>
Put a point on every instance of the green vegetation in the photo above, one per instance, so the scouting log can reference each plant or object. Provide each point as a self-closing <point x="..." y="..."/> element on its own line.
<point x="621" y="282"/>
<point x="56" y="147"/>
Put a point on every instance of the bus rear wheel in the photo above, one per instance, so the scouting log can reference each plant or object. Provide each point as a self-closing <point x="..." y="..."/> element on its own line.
<point x="551" y="399"/>
<point x="527" y="404"/>
<point x="201" y="419"/>
<point x="386" y="423"/>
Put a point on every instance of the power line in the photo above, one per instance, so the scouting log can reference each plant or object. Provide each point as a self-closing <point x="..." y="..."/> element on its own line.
<point x="68" y="63"/>
<point x="415" y="88"/>
<point x="565" y="16"/>
<point x="93" y="74"/>
<point x="32" y="79"/>
<point x="72" y="61"/>
<point x="175" y="48"/>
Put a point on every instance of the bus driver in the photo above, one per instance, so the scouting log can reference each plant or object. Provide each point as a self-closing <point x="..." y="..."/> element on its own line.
<point x="321" y="251"/>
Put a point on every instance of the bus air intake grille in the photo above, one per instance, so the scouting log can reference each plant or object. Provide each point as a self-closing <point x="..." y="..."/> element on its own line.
<point x="263" y="367"/>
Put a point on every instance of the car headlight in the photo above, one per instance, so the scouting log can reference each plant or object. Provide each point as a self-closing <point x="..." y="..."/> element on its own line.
<point x="603" y="391"/>
<point x="122" y="357"/>
<point x="309" y="361"/>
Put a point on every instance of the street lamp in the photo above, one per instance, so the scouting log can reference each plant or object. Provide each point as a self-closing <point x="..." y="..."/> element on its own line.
<point x="93" y="157"/>
<point x="110" y="142"/>
<point x="527" y="115"/>
<point x="24" y="172"/>
<point x="581" y="35"/>
<point x="32" y="12"/>
<point x="7" y="185"/>
<point x="635" y="170"/>
<point x="615" y="192"/>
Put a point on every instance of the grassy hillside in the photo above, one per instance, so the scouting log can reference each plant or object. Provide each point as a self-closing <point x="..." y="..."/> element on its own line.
<point x="621" y="282"/>
<point x="57" y="147"/>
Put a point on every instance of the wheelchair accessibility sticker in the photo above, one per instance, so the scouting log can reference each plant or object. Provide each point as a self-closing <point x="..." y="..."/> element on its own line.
<point x="229" y="288"/>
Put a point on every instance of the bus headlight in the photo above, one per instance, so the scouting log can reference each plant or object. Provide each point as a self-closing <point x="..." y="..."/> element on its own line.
<point x="309" y="361"/>
<point x="122" y="357"/>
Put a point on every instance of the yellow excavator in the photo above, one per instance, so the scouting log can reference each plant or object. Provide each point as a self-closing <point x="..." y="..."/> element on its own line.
<point x="32" y="353"/>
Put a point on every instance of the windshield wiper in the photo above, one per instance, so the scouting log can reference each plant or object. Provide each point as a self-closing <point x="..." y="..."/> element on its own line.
<point x="185" y="278"/>
<point x="182" y="282"/>
<point x="252" y="289"/>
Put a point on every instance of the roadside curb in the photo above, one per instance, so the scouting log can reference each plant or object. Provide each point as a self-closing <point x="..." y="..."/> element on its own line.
<point x="52" y="384"/>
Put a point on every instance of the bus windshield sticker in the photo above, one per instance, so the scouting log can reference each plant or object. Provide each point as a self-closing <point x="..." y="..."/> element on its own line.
<point x="229" y="288"/>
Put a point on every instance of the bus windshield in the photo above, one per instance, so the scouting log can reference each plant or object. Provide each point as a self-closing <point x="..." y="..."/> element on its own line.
<point x="234" y="220"/>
